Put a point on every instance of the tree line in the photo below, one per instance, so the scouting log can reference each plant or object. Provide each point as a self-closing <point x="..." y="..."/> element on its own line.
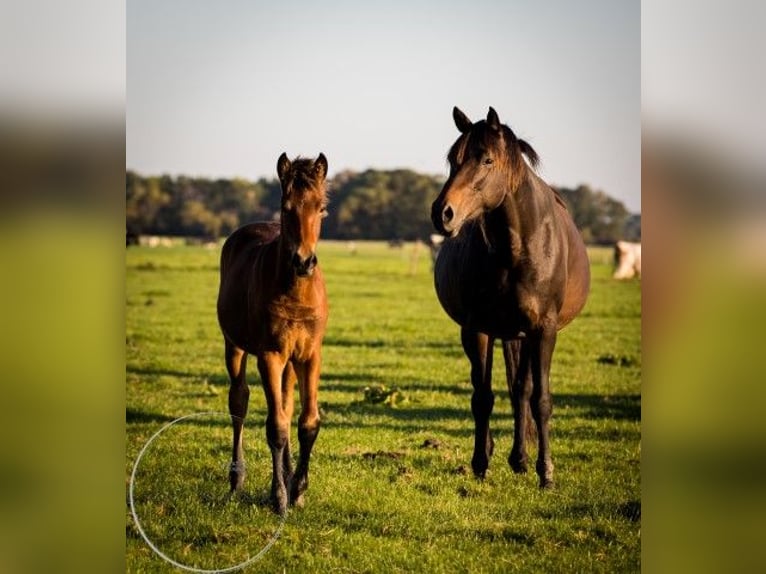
<point x="373" y="204"/>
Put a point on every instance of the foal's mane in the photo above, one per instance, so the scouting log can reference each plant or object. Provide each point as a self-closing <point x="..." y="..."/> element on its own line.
<point x="481" y="137"/>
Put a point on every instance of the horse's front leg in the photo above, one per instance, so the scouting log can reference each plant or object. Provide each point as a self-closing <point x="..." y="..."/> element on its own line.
<point x="478" y="348"/>
<point x="271" y="367"/>
<point x="288" y="405"/>
<point x="308" y="424"/>
<point x="239" y="393"/>
<point x="541" y="353"/>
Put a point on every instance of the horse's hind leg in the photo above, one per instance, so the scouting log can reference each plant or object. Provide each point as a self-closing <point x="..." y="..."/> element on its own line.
<point x="308" y="426"/>
<point x="478" y="348"/>
<point x="239" y="393"/>
<point x="541" y="403"/>
<point x="520" y="388"/>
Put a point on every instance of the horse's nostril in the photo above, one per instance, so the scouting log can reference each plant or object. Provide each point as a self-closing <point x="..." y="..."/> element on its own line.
<point x="304" y="266"/>
<point x="447" y="214"/>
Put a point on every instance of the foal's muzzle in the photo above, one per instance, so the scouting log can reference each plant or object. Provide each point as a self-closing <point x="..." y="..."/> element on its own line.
<point x="304" y="267"/>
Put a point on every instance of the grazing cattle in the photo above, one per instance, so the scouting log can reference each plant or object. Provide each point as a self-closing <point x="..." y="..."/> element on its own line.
<point x="627" y="260"/>
<point x="513" y="267"/>
<point x="435" y="244"/>
<point x="272" y="304"/>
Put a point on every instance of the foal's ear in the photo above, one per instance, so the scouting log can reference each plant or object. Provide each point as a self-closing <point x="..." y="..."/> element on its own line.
<point x="461" y="120"/>
<point x="320" y="166"/>
<point x="492" y="119"/>
<point x="283" y="166"/>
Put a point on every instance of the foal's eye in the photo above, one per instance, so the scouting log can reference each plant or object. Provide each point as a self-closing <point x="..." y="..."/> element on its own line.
<point x="487" y="161"/>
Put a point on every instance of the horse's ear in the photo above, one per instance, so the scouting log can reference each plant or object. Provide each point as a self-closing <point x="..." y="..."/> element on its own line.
<point x="283" y="166"/>
<point x="492" y="119"/>
<point x="320" y="166"/>
<point x="461" y="120"/>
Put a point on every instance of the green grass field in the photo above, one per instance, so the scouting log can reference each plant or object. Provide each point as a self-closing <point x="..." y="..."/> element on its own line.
<point x="390" y="486"/>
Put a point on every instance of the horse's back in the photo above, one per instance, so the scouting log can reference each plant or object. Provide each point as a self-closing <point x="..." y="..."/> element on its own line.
<point x="578" y="269"/>
<point x="245" y="241"/>
<point x="238" y="258"/>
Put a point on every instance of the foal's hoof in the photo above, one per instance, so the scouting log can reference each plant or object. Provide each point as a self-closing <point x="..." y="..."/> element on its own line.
<point x="279" y="504"/>
<point x="297" y="487"/>
<point x="298" y="501"/>
<point x="237" y="475"/>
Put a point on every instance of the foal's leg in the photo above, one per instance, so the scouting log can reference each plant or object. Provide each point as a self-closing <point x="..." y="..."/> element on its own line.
<point x="239" y="393"/>
<point x="308" y="425"/>
<point x="271" y="367"/>
<point x="478" y="347"/>
<point x="520" y="387"/>
<point x="542" y="346"/>
<point x="288" y="406"/>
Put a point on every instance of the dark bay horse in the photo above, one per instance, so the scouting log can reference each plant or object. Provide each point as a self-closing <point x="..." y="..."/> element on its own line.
<point x="272" y="304"/>
<point x="513" y="268"/>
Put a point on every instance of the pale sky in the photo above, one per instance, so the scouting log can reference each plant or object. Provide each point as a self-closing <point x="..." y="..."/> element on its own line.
<point x="220" y="89"/>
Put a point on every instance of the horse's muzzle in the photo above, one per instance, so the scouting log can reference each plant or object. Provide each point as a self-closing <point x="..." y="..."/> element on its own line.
<point x="304" y="267"/>
<point x="442" y="216"/>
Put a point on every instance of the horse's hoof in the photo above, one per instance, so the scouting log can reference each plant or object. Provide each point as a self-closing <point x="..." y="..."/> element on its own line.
<point x="279" y="507"/>
<point x="298" y="501"/>
<point x="279" y="502"/>
<point x="479" y="465"/>
<point x="546" y="484"/>
<point x="297" y="487"/>
<point x="237" y="475"/>
<point x="480" y="474"/>
<point x="518" y="466"/>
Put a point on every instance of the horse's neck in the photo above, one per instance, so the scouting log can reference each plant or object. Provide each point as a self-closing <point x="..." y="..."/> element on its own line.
<point x="285" y="276"/>
<point x="507" y="227"/>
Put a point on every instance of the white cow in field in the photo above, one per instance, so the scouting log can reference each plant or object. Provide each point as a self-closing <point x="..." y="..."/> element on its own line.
<point x="435" y="245"/>
<point x="627" y="260"/>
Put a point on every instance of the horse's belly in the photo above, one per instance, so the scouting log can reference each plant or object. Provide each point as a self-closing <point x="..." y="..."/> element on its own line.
<point x="472" y="301"/>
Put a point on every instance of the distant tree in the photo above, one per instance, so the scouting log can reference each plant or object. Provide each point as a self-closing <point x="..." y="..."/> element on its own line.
<point x="632" y="228"/>
<point x="378" y="204"/>
<point x="145" y="198"/>
<point x="599" y="218"/>
<point x="373" y="204"/>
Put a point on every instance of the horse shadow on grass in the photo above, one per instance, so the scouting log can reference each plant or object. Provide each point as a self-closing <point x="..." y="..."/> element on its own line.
<point x="140" y="416"/>
<point x="442" y="420"/>
<point x="592" y="406"/>
<point x="346" y="342"/>
<point x="260" y="498"/>
<point x="216" y="379"/>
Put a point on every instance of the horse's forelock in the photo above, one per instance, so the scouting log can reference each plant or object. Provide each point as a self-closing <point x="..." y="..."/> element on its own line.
<point x="483" y="134"/>
<point x="456" y="153"/>
<point x="303" y="179"/>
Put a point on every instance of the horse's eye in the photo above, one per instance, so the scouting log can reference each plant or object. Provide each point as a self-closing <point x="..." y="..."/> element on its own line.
<point x="487" y="161"/>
